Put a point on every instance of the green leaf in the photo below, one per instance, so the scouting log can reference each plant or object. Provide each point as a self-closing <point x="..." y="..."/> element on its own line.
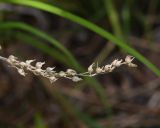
<point x="87" y="24"/>
<point x="38" y="122"/>
<point x="91" y="81"/>
<point x="55" y="43"/>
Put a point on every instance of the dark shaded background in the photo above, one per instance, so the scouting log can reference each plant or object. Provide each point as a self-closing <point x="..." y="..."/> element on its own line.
<point x="132" y="94"/>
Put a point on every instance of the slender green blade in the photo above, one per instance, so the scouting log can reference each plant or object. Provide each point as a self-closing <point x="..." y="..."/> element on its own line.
<point x="91" y="81"/>
<point x="87" y="24"/>
<point x="55" y="43"/>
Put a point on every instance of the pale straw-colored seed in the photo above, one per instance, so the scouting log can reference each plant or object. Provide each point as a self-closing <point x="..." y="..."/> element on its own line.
<point x="28" y="62"/>
<point x="62" y="74"/>
<point x="39" y="64"/>
<point x="52" y="79"/>
<point x="71" y="72"/>
<point x="21" y="72"/>
<point x="23" y="64"/>
<point x="76" y="79"/>
<point x="99" y="70"/>
<point x="132" y="65"/>
<point x="117" y="63"/>
<point x="90" y="68"/>
<point x="129" y="59"/>
<point x="12" y="58"/>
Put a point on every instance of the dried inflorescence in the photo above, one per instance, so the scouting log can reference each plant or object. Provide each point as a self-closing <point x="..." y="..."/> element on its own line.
<point x="53" y="75"/>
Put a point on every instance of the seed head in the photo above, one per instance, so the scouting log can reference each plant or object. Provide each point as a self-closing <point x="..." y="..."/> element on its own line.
<point x="52" y="75"/>
<point x="90" y="68"/>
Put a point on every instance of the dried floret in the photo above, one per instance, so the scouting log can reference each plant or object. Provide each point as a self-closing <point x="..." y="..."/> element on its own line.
<point x="21" y="72"/>
<point x="71" y="72"/>
<point x="129" y="60"/>
<point x="28" y="62"/>
<point x="90" y="68"/>
<point x="52" y="79"/>
<point x="76" y="79"/>
<point x="99" y="70"/>
<point x="62" y="74"/>
<point x="117" y="63"/>
<point x="39" y="64"/>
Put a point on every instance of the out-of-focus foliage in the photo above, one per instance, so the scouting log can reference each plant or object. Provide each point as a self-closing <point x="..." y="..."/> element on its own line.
<point x="133" y="25"/>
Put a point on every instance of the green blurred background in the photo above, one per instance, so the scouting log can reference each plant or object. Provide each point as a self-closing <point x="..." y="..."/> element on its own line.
<point x="73" y="34"/>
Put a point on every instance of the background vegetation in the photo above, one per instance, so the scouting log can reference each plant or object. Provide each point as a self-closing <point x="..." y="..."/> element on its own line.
<point x="73" y="34"/>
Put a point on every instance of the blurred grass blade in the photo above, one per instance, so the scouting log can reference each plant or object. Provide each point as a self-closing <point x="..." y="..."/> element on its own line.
<point x="34" y="31"/>
<point x="89" y="25"/>
<point x="42" y="47"/>
<point x="112" y="15"/>
<point x="38" y="121"/>
<point x="64" y="102"/>
<point x="68" y="107"/>
<point x="126" y="17"/>
<point x="91" y="81"/>
<point x="113" y="18"/>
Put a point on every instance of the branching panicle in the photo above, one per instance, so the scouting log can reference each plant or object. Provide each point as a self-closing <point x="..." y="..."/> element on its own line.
<point x="53" y="75"/>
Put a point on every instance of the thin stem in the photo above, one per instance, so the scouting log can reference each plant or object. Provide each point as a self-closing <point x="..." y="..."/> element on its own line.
<point x="52" y="75"/>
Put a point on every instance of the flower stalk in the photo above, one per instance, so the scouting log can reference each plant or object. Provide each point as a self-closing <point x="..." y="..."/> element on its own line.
<point x="51" y="74"/>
